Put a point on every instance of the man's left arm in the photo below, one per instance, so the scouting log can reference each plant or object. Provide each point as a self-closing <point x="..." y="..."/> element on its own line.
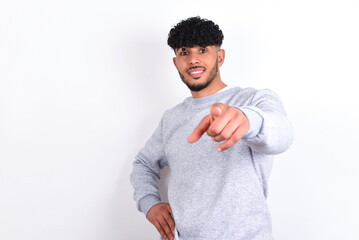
<point x="262" y="124"/>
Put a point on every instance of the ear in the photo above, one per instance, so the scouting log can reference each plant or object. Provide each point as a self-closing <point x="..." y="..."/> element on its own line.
<point x="174" y="62"/>
<point x="221" y="56"/>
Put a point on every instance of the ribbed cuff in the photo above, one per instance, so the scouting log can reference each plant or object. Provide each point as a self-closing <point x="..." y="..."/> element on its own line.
<point x="255" y="122"/>
<point x="147" y="202"/>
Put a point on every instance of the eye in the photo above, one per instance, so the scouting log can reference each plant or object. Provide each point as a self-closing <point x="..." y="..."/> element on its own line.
<point x="203" y="50"/>
<point x="184" y="53"/>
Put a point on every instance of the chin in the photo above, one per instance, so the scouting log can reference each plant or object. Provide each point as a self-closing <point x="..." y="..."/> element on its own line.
<point x="198" y="86"/>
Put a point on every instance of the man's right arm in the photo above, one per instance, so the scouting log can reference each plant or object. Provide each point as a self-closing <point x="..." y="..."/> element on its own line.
<point x="144" y="179"/>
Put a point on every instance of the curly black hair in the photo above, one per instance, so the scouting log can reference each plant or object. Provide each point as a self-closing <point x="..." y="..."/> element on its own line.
<point x="195" y="31"/>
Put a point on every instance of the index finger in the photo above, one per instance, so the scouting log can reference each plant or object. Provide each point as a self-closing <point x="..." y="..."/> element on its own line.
<point x="199" y="130"/>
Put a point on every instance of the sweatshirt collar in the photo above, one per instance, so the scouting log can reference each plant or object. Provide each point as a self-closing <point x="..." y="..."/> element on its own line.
<point x="211" y="98"/>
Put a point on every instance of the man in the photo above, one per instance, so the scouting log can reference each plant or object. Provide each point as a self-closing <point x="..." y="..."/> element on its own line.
<point x="218" y="182"/>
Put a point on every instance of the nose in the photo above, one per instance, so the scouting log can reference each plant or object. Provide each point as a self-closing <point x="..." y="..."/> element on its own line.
<point x="193" y="59"/>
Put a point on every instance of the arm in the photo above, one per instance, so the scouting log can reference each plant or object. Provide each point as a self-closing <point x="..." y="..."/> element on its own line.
<point x="144" y="179"/>
<point x="275" y="134"/>
<point x="262" y="124"/>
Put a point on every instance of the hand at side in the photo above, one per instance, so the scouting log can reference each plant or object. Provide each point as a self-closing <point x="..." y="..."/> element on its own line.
<point x="160" y="215"/>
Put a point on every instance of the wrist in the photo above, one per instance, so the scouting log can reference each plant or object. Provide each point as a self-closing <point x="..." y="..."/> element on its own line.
<point x="255" y="122"/>
<point x="147" y="202"/>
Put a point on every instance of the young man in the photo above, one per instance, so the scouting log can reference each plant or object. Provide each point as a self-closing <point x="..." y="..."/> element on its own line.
<point x="218" y="184"/>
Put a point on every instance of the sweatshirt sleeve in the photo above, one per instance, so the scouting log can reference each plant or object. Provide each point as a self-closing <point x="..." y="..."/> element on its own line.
<point x="270" y="130"/>
<point x="146" y="172"/>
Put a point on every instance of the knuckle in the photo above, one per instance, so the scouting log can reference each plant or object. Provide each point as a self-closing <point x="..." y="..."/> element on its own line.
<point x="224" y="135"/>
<point x="238" y="117"/>
<point x="231" y="110"/>
<point x="215" y="130"/>
<point x="211" y="133"/>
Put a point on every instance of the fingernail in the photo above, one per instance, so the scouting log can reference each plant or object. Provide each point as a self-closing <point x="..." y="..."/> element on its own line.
<point x="219" y="149"/>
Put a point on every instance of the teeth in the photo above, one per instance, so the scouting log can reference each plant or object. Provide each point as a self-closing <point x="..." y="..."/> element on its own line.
<point x="196" y="72"/>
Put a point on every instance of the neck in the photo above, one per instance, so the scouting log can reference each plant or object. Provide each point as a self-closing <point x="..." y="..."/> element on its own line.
<point x="213" y="88"/>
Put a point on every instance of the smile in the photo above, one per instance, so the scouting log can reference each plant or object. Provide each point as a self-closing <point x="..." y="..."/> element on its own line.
<point x="196" y="72"/>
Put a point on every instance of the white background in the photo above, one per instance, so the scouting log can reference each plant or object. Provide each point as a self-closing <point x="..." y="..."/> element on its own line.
<point x="83" y="84"/>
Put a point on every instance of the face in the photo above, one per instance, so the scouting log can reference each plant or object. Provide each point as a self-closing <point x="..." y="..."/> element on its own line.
<point x="198" y="66"/>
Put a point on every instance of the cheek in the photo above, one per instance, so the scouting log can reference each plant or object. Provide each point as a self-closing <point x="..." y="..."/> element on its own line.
<point x="180" y="67"/>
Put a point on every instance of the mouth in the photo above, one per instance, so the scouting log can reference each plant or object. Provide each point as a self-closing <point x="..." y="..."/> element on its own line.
<point x="196" y="72"/>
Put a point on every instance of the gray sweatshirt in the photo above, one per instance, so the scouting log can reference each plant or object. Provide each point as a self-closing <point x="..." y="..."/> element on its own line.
<point x="215" y="195"/>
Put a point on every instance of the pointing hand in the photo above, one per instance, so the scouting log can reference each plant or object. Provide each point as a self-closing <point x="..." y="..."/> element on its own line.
<point x="223" y="123"/>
